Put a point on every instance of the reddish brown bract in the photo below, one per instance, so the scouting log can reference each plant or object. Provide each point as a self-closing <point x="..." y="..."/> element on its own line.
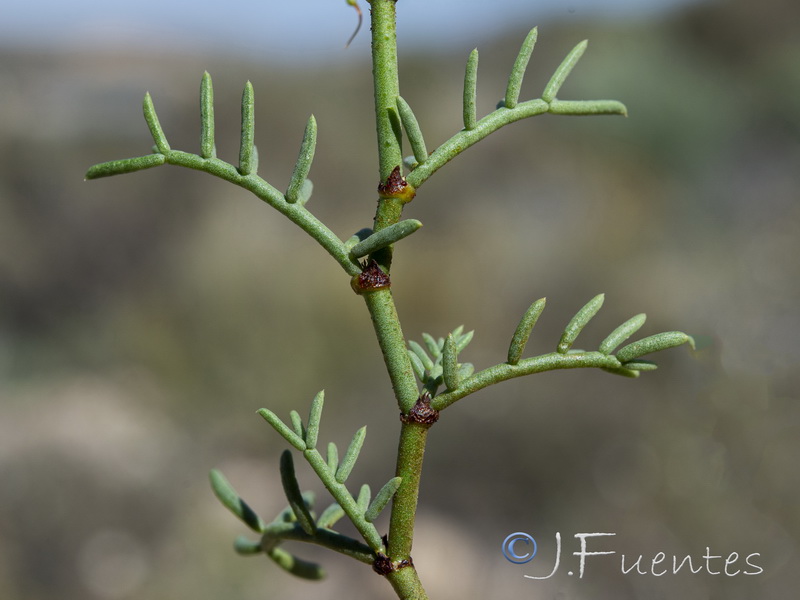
<point x="370" y="279"/>
<point x="422" y="413"/>
<point x="383" y="565"/>
<point x="396" y="186"/>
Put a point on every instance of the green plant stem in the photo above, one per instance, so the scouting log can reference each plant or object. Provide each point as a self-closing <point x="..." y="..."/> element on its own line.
<point x="503" y="116"/>
<point x="387" y="85"/>
<point x="410" y="453"/>
<point x="528" y="366"/>
<point x="390" y="338"/>
<point x="387" y="120"/>
<point x="405" y="581"/>
<point x="322" y="537"/>
<point x="342" y="496"/>
<point x="297" y="213"/>
<point x="406" y="584"/>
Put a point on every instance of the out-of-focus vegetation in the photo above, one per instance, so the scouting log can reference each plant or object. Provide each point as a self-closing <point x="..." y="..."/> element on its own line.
<point x="144" y="319"/>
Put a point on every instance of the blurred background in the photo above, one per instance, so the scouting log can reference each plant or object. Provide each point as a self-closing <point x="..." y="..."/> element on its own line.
<point x="145" y="318"/>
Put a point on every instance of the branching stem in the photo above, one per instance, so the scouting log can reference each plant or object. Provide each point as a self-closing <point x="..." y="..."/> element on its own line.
<point x="405" y="581"/>
<point x="528" y="366"/>
<point x="503" y="116"/>
<point x="323" y="537"/>
<point x="372" y="280"/>
<point x="297" y="213"/>
<point x="387" y="85"/>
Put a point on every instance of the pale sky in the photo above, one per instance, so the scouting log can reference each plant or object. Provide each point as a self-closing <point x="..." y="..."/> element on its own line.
<point x="285" y="29"/>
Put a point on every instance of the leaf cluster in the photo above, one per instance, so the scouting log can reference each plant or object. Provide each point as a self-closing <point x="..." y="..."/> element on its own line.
<point x="509" y="109"/>
<point x="298" y="521"/>
<point x="438" y="365"/>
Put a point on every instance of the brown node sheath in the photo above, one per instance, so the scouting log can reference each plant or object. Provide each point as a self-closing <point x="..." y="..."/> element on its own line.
<point x="421" y="412"/>
<point x="383" y="565"/>
<point x="396" y="186"/>
<point x="370" y="279"/>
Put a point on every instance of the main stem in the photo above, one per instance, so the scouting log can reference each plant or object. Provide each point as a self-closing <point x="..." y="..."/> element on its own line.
<point x="386" y="323"/>
<point x="386" y="84"/>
